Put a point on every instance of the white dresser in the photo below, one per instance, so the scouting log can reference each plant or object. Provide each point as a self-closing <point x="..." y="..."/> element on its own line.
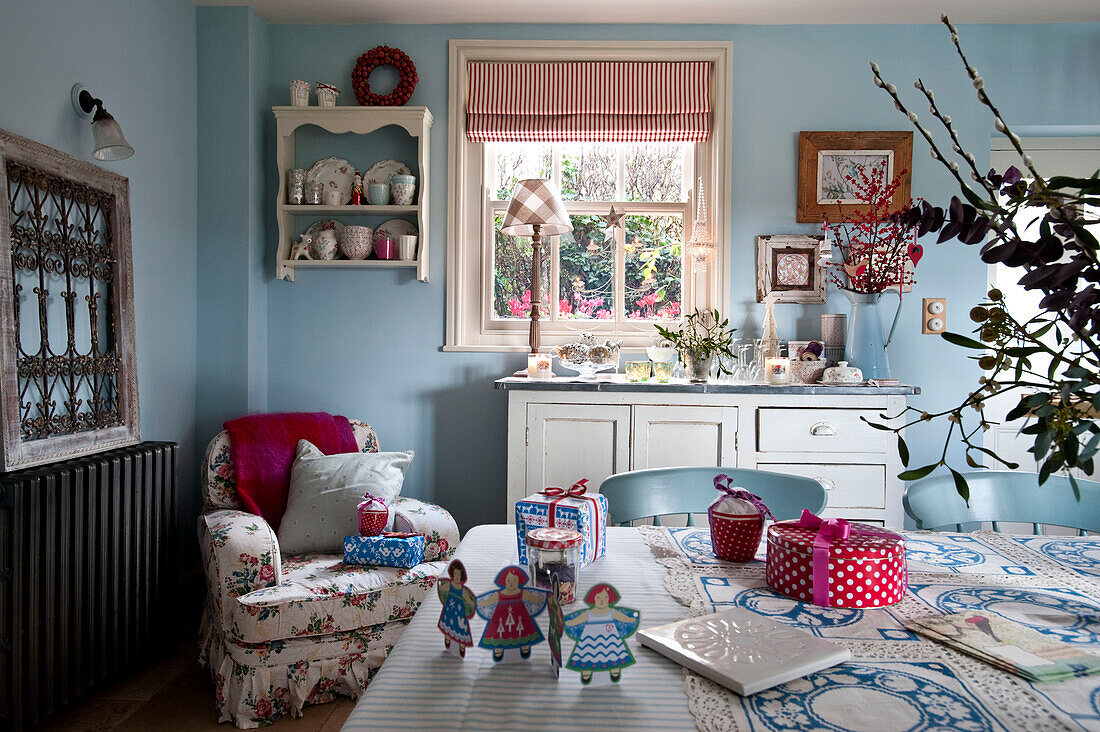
<point x="560" y="431"/>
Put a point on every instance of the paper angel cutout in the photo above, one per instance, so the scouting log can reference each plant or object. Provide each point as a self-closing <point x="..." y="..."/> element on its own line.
<point x="557" y="623"/>
<point x="511" y="613"/>
<point x="600" y="632"/>
<point x="459" y="605"/>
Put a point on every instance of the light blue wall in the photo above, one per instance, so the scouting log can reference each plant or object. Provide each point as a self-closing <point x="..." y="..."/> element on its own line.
<point x="232" y="353"/>
<point x="139" y="57"/>
<point x="368" y="343"/>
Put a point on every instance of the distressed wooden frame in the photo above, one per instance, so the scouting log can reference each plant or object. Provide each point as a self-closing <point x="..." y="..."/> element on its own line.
<point x="18" y="452"/>
<point x="768" y="247"/>
<point x="811" y="144"/>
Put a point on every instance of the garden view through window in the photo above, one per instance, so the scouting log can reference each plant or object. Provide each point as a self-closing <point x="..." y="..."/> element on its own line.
<point x="618" y="275"/>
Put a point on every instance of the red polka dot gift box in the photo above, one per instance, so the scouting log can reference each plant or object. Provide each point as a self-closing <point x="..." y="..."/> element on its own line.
<point x="736" y="522"/>
<point x="836" y="563"/>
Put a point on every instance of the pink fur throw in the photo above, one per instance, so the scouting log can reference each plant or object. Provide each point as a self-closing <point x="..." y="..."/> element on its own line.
<point x="262" y="448"/>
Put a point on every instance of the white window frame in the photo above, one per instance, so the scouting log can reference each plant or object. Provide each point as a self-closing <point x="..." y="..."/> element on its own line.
<point x="469" y="248"/>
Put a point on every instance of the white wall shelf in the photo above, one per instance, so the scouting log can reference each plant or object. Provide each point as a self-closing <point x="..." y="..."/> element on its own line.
<point x="417" y="121"/>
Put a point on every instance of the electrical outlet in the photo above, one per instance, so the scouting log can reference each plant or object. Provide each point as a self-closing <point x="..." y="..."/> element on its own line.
<point x="933" y="315"/>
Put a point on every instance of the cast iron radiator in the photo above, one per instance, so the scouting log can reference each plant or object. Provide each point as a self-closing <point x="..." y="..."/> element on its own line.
<point x="87" y="565"/>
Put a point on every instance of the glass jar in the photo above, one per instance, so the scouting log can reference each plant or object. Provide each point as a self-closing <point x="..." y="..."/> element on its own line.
<point x="555" y="553"/>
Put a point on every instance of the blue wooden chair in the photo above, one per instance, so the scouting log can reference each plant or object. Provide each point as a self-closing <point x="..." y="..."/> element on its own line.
<point x="664" y="491"/>
<point x="1002" y="495"/>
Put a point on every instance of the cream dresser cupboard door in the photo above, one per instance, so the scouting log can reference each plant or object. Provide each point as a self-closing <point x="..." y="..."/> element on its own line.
<point x="672" y="436"/>
<point x="567" y="442"/>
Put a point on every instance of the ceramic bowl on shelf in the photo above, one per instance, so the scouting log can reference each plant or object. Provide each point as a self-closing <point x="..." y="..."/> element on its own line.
<point x="356" y="242"/>
<point x="808" y="372"/>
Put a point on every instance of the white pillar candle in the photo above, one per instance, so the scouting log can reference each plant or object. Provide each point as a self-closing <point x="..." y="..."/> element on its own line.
<point x="538" y="366"/>
<point x="777" y="369"/>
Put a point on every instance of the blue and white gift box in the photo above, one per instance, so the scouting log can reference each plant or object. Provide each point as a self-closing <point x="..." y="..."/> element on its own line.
<point x="574" y="508"/>
<point x="386" y="550"/>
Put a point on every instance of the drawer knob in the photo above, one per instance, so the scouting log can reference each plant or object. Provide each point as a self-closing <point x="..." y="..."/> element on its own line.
<point x="826" y="483"/>
<point x="823" y="429"/>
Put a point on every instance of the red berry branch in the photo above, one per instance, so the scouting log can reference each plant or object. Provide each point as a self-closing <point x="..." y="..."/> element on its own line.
<point x="384" y="56"/>
<point x="876" y="244"/>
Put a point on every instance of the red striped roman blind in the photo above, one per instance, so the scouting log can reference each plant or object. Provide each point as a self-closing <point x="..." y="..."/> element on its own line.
<point x="589" y="101"/>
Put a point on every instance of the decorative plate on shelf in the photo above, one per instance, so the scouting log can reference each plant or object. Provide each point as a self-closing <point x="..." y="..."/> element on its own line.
<point x="315" y="227"/>
<point x="334" y="174"/>
<point x="395" y="228"/>
<point x="381" y="171"/>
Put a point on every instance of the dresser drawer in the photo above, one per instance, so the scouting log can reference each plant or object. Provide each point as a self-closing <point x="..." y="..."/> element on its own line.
<point x="818" y="430"/>
<point x="847" y="486"/>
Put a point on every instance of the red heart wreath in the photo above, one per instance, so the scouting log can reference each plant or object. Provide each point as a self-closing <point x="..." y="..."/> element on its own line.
<point x="384" y="56"/>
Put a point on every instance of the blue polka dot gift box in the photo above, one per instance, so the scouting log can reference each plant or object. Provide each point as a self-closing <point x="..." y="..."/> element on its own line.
<point x="391" y="549"/>
<point x="836" y="563"/>
<point x="565" y="508"/>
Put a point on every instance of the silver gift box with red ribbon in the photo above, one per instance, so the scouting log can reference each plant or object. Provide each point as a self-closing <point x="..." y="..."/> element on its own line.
<point x="568" y="508"/>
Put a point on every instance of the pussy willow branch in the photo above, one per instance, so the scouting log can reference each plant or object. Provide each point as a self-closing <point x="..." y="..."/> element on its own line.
<point x="956" y="145"/>
<point x="979" y="84"/>
<point x="936" y="154"/>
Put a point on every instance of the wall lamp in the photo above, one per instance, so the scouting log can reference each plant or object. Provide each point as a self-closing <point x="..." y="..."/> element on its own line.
<point x="108" y="142"/>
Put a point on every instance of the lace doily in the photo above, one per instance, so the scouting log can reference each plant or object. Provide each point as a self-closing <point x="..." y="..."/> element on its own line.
<point x="932" y="686"/>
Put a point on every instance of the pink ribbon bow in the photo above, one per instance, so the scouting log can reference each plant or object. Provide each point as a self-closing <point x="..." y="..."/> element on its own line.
<point x="368" y="497"/>
<point x="722" y="482"/>
<point x="828" y="532"/>
<point x="577" y="490"/>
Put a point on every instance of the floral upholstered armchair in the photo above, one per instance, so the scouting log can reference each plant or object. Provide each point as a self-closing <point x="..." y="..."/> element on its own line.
<point x="279" y="632"/>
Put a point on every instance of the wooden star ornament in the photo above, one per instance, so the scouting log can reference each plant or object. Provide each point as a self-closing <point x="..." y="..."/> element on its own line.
<point x="613" y="219"/>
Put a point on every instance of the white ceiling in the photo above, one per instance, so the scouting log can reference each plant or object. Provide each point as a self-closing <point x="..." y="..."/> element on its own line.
<point x="781" y="12"/>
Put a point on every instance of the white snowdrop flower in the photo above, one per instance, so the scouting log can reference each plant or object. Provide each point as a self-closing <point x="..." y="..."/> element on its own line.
<point x="912" y="116"/>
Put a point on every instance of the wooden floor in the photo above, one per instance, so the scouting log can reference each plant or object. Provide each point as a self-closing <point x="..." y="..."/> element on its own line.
<point x="176" y="694"/>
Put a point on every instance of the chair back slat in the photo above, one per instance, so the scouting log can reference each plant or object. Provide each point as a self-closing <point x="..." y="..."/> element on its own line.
<point x="1002" y="496"/>
<point x="675" y="491"/>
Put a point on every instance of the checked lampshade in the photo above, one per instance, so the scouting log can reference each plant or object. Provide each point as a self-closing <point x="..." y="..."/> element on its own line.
<point x="536" y="201"/>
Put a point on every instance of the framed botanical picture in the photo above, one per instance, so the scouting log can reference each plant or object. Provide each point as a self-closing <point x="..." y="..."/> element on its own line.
<point x="790" y="266"/>
<point x="826" y="161"/>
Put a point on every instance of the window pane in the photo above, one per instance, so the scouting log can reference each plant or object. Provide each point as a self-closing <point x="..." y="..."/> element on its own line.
<point x="654" y="266"/>
<point x="512" y="275"/>
<point x="589" y="172"/>
<point x="516" y="161"/>
<point x="586" y="269"/>
<point x="655" y="172"/>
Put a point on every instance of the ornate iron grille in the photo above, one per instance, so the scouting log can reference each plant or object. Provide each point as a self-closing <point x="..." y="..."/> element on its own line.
<point x="63" y="266"/>
<point x="68" y="382"/>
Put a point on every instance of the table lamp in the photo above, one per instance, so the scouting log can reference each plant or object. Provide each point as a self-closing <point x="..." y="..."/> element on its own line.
<point x="536" y="211"/>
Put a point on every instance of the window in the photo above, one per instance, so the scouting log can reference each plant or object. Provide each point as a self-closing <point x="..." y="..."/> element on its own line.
<point x="616" y="281"/>
<point x="620" y="276"/>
